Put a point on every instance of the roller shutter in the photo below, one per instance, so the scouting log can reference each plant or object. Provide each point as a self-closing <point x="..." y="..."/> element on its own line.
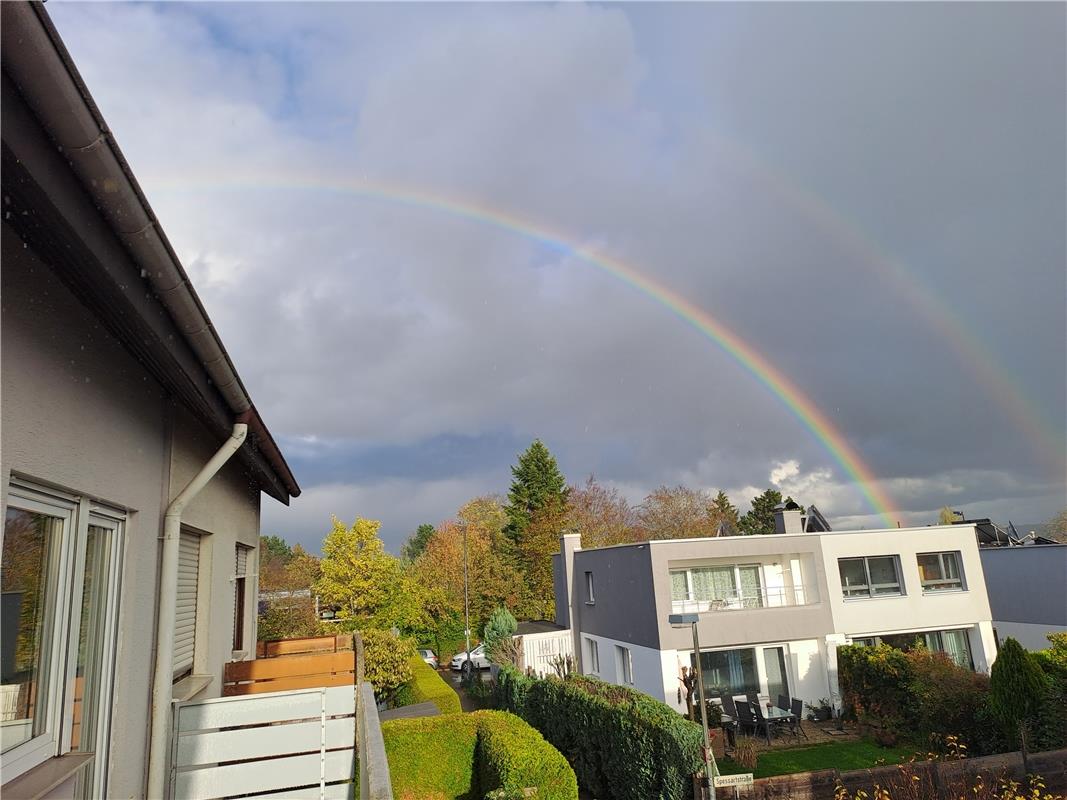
<point x="185" y="616"/>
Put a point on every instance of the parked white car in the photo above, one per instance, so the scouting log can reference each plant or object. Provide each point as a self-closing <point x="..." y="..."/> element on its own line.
<point x="477" y="657"/>
<point x="430" y="657"/>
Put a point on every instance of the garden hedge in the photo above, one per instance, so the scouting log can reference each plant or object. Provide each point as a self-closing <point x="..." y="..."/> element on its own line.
<point x="621" y="743"/>
<point x="427" y="686"/>
<point x="464" y="756"/>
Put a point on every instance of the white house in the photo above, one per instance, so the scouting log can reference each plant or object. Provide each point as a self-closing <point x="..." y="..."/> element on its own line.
<point x="133" y="459"/>
<point x="772" y="609"/>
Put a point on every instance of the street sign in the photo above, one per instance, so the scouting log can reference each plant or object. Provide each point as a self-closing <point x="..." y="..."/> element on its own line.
<point x="722" y="781"/>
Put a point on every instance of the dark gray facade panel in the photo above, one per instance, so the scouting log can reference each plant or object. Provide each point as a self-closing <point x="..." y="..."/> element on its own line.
<point x="1027" y="584"/>
<point x="624" y="605"/>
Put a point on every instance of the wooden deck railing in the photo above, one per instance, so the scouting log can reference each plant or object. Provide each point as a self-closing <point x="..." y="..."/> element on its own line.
<point x="290" y="664"/>
<point x="314" y="644"/>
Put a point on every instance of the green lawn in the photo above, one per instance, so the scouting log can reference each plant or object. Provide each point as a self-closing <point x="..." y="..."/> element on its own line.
<point x="831" y="755"/>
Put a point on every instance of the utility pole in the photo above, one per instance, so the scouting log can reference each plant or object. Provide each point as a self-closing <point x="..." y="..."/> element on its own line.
<point x="466" y="604"/>
<point x="709" y="758"/>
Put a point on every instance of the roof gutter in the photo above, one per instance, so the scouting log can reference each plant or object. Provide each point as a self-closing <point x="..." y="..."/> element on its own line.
<point x="49" y="82"/>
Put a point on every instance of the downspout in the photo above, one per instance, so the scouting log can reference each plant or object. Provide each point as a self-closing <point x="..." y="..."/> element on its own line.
<point x="163" y="679"/>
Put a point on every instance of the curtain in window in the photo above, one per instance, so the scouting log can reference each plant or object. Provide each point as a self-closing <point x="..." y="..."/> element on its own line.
<point x="957" y="646"/>
<point x="678" y="586"/>
<point x="713" y="583"/>
<point x="751" y="588"/>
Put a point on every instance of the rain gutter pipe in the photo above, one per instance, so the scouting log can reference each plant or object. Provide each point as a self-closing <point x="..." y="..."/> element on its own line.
<point x="162" y="681"/>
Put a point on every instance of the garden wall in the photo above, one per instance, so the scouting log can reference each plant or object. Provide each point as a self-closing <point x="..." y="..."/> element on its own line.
<point x="937" y="778"/>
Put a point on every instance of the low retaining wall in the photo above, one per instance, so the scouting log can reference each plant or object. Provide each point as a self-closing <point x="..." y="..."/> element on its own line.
<point x="1051" y="766"/>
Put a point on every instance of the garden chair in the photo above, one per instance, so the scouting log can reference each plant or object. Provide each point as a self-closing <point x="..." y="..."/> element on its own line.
<point x="796" y="707"/>
<point x="760" y="722"/>
<point x="728" y="706"/>
<point x="783" y="702"/>
<point x="753" y="698"/>
<point x="730" y="726"/>
<point x="746" y="718"/>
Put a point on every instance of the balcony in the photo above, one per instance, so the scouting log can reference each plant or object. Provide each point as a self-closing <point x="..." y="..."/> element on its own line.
<point x="781" y="597"/>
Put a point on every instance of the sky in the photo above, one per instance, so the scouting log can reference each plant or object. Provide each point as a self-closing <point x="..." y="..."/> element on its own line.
<point x="871" y="197"/>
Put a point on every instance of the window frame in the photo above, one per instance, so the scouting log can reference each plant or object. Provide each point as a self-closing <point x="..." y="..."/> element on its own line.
<point x="737" y="600"/>
<point x="594" y="656"/>
<point x="59" y="650"/>
<point x="847" y="592"/>
<point x="958" y="584"/>
<point x="626" y="664"/>
<point x="590" y="599"/>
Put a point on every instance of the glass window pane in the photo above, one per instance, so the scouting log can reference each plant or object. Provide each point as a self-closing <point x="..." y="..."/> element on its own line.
<point x="29" y="538"/>
<point x="952" y="568"/>
<point x="678" y="586"/>
<point x="91" y="639"/>
<point x="958" y="647"/>
<point x="853" y="577"/>
<point x="929" y="567"/>
<point x="883" y="572"/>
<point x="728" y="672"/>
<point x="751" y="587"/>
<point x="774" y="664"/>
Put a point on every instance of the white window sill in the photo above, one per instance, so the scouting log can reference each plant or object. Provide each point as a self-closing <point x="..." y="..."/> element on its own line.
<point x="189" y="687"/>
<point x="42" y="779"/>
<point x="238" y="655"/>
<point x="590" y="602"/>
<point x="874" y="597"/>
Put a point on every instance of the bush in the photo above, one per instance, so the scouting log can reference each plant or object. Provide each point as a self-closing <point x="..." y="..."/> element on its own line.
<point x="513" y="756"/>
<point x="387" y="661"/>
<point x="432" y="757"/>
<point x="426" y="685"/>
<point x="620" y="742"/>
<point x="465" y="756"/>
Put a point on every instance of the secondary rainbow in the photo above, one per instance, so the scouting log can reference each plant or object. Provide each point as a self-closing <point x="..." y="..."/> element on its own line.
<point x="817" y="422"/>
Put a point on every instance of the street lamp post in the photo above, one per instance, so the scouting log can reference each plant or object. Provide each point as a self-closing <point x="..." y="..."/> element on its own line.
<point x="466" y="610"/>
<point x="709" y="757"/>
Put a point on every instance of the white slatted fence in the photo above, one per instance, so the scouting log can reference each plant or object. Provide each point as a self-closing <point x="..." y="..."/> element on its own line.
<point x="296" y="744"/>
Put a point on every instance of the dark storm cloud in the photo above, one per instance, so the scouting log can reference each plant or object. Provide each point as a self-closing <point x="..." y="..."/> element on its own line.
<point x="830" y="181"/>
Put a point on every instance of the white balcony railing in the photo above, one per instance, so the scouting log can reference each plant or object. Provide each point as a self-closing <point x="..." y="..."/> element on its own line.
<point x="782" y="597"/>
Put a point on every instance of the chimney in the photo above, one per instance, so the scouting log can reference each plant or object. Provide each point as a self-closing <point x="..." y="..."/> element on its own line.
<point x="788" y="518"/>
<point x="563" y="577"/>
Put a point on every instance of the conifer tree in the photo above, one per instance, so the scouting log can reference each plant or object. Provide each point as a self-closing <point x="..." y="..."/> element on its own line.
<point x="760" y="519"/>
<point x="536" y="484"/>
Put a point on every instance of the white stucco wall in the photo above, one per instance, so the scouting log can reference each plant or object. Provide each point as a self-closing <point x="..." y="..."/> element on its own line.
<point x="647" y="663"/>
<point x="80" y="414"/>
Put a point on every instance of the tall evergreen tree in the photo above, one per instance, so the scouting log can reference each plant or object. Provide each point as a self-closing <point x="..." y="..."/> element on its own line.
<point x="417" y="542"/>
<point x="536" y="484"/>
<point x="724" y="514"/>
<point x="760" y="518"/>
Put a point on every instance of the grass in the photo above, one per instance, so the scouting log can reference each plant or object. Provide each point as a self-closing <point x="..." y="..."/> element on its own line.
<point x="830" y="755"/>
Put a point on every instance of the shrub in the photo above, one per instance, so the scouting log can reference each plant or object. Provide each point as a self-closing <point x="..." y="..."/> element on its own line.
<point x="432" y="757"/>
<point x="426" y="685"/>
<point x="465" y="756"/>
<point x="499" y="645"/>
<point x="513" y="756"/>
<point x="387" y="661"/>
<point x="620" y="742"/>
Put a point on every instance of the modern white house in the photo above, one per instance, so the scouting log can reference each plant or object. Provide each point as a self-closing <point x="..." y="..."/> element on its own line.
<point x="133" y="460"/>
<point x="772" y="609"/>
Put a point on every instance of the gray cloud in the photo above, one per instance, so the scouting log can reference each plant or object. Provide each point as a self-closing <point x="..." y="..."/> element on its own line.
<point x="767" y="162"/>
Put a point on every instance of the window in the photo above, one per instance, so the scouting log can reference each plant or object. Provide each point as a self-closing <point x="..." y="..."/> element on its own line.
<point x="774" y="667"/>
<point x="940" y="572"/>
<point x="870" y="576"/>
<point x="726" y="586"/>
<point x="59" y="577"/>
<point x="624" y="666"/>
<point x="239" y="593"/>
<point x="594" y="654"/>
<point x="728" y="672"/>
<point x="589" y="588"/>
<point x="185" y="613"/>
<point x="955" y="644"/>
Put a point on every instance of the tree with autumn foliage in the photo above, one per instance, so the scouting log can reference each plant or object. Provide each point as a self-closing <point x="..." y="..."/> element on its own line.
<point x="677" y="512"/>
<point x="367" y="585"/>
<point x="600" y="514"/>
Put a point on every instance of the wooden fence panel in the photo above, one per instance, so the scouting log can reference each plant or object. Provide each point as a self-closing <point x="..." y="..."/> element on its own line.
<point x="290" y="672"/>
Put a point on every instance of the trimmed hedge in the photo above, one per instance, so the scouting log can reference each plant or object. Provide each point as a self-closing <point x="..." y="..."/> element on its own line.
<point x="427" y="686"/>
<point x="512" y="755"/>
<point x="621" y="743"/>
<point x="464" y="756"/>
<point x="432" y="757"/>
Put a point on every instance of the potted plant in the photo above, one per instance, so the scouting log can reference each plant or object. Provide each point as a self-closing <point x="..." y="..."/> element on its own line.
<point x="820" y="710"/>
